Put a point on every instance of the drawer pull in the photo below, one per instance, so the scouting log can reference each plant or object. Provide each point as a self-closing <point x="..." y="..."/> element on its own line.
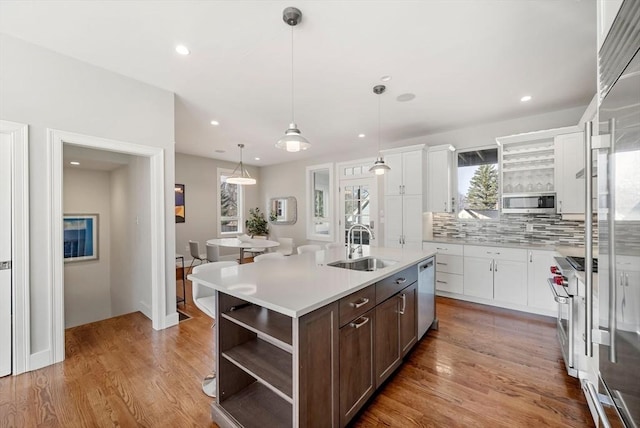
<point x="401" y="281"/>
<point x="440" y="263"/>
<point x="356" y="324"/>
<point x="360" y="303"/>
<point x="441" y="282"/>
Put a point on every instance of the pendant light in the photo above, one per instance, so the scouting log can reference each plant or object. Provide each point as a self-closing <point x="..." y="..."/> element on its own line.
<point x="292" y="140"/>
<point x="240" y="175"/>
<point x="379" y="167"/>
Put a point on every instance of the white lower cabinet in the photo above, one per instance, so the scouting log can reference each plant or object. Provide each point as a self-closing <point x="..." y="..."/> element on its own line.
<point x="449" y="266"/>
<point x="538" y="293"/>
<point x="478" y="277"/>
<point x="510" y="281"/>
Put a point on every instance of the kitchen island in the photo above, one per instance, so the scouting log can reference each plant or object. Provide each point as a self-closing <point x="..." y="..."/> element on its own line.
<point x="302" y="343"/>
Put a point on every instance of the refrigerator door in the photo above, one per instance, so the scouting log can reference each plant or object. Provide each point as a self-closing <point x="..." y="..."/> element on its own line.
<point x="619" y="245"/>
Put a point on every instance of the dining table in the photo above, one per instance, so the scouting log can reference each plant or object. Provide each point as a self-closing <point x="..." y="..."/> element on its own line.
<point x="243" y="244"/>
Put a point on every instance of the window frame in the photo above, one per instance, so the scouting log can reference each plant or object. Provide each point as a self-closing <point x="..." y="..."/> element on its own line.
<point x="226" y="173"/>
<point x="457" y="193"/>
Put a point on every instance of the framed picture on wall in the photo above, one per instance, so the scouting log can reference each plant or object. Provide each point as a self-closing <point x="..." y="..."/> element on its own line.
<point x="80" y="233"/>
<point x="179" y="188"/>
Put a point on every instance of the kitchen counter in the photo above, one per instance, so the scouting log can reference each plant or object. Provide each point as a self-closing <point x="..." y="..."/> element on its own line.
<point x="299" y="284"/>
<point x="496" y="243"/>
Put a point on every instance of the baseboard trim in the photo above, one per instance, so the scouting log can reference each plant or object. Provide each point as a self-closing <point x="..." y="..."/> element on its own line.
<point x="39" y="360"/>
<point x="527" y="309"/>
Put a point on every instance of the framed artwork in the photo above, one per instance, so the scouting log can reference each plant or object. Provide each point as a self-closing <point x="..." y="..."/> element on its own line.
<point x="80" y="237"/>
<point x="179" y="188"/>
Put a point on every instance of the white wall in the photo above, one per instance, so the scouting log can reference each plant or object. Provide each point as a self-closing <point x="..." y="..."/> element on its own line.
<point x="87" y="283"/>
<point x="199" y="175"/>
<point x="48" y="90"/>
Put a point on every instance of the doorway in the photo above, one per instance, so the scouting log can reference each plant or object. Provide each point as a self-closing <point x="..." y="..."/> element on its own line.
<point x="358" y="201"/>
<point x="149" y="257"/>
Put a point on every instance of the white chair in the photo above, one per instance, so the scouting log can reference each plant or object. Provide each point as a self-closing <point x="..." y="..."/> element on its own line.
<point x="205" y="299"/>
<point x="266" y="256"/>
<point x="311" y="248"/>
<point x="286" y="246"/>
<point x="213" y="253"/>
<point x="331" y="245"/>
<point x="194" y="249"/>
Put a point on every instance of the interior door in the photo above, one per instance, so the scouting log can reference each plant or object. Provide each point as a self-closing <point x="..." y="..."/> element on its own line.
<point x="5" y="255"/>
<point x="358" y="204"/>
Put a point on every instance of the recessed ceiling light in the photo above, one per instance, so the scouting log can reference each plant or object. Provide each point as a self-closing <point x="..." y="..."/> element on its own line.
<point x="385" y="78"/>
<point x="215" y="123"/>
<point x="74" y="163"/>
<point x="525" y="98"/>
<point x="405" y="97"/>
<point x="361" y="135"/>
<point x="183" y="50"/>
<point x="220" y="151"/>
<point x="256" y="158"/>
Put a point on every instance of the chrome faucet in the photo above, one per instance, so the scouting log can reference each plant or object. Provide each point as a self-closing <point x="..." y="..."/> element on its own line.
<point x="350" y="248"/>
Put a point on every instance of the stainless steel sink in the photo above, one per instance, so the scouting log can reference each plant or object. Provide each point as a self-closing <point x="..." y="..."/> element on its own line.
<point x="367" y="264"/>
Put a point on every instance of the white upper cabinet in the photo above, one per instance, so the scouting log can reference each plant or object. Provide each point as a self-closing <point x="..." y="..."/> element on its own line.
<point x="405" y="176"/>
<point x="440" y="166"/>
<point x="607" y="11"/>
<point x="570" y="190"/>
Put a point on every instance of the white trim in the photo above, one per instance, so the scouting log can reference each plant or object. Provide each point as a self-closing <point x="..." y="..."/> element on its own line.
<point x="537" y="135"/>
<point x="21" y="327"/>
<point x="241" y="215"/>
<point x="403" y="149"/>
<point x="332" y="198"/>
<point x="55" y="140"/>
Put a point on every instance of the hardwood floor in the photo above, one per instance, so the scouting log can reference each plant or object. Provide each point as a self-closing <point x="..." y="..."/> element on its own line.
<point x="484" y="367"/>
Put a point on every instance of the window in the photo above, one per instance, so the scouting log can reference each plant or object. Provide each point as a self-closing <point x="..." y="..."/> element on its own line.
<point x="230" y="199"/>
<point x="478" y="184"/>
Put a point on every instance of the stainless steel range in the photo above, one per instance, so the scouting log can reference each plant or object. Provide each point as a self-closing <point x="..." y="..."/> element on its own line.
<point x="568" y="292"/>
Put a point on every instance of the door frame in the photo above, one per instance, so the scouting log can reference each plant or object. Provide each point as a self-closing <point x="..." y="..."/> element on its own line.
<point x="56" y="139"/>
<point x="20" y="300"/>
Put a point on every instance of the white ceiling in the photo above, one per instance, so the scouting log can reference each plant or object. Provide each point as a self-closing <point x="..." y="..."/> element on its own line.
<point x="467" y="62"/>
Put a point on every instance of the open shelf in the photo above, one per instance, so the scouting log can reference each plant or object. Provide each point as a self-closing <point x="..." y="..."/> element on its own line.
<point x="265" y="362"/>
<point x="257" y="406"/>
<point x="261" y="320"/>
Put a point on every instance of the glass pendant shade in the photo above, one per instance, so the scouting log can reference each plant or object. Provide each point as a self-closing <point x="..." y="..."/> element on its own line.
<point x="292" y="140"/>
<point x="379" y="167"/>
<point x="240" y="175"/>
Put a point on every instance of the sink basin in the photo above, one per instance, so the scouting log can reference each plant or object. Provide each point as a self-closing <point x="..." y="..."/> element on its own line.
<point x="367" y="264"/>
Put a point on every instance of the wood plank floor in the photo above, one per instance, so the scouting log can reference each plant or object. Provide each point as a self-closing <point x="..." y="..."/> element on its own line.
<point x="485" y="367"/>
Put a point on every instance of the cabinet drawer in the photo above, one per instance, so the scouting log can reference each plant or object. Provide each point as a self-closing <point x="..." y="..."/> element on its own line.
<point x="356" y="304"/>
<point x="449" y="282"/>
<point x="440" y="248"/>
<point x="396" y="282"/>
<point x="499" y="253"/>
<point x="449" y="264"/>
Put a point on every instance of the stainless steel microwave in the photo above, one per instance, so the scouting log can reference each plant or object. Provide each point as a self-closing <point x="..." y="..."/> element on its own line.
<point x="529" y="203"/>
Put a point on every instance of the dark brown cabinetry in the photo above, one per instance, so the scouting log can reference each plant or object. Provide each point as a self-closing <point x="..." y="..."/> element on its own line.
<point x="396" y="331"/>
<point x="357" y="379"/>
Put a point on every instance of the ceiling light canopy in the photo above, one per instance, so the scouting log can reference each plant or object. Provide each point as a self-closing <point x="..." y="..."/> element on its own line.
<point x="525" y="98"/>
<point x="240" y="175"/>
<point x="215" y="123"/>
<point x="292" y="141"/>
<point x="379" y="167"/>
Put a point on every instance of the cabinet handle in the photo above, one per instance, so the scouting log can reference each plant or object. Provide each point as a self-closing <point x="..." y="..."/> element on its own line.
<point x="441" y="249"/>
<point x="530" y="256"/>
<point x="559" y="207"/>
<point x="401" y="281"/>
<point x="491" y="266"/>
<point x="360" y="303"/>
<point x="445" y="206"/>
<point x="495" y="266"/>
<point x="356" y="324"/>
<point x="441" y="263"/>
<point x="404" y="303"/>
<point x="441" y="282"/>
<point x="497" y="253"/>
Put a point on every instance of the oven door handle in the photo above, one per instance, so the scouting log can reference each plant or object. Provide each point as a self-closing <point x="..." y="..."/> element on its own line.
<point x="558" y="298"/>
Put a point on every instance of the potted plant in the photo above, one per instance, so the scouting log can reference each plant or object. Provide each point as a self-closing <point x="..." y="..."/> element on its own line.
<point x="256" y="224"/>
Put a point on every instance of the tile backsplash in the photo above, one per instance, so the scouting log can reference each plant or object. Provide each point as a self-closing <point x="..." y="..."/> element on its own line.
<point x="548" y="229"/>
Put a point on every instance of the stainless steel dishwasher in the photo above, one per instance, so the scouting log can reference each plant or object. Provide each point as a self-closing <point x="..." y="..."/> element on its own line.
<point x="426" y="296"/>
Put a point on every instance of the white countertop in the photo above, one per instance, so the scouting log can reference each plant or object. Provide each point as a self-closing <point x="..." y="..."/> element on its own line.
<point x="301" y="283"/>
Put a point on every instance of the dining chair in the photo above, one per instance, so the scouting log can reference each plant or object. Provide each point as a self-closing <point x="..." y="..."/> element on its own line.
<point x="205" y="299"/>
<point x="194" y="249"/>
<point x="213" y="253"/>
<point x="331" y="245"/>
<point x="286" y="246"/>
<point x="266" y="256"/>
<point x="311" y="248"/>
